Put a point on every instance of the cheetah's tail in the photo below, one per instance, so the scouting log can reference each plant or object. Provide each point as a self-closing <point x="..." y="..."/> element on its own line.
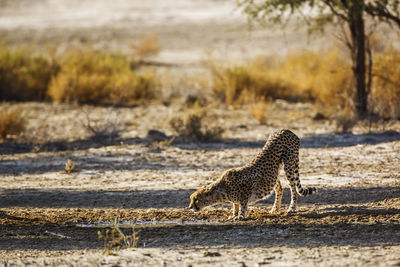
<point x="305" y="191"/>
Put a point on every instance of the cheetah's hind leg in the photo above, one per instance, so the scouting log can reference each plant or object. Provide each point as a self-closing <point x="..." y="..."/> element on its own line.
<point x="292" y="173"/>
<point x="278" y="197"/>
<point x="242" y="211"/>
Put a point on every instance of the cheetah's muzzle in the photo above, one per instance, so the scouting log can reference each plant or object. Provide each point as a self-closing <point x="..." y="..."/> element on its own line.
<point x="194" y="207"/>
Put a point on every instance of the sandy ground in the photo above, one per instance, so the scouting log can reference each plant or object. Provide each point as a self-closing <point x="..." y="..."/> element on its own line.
<point x="50" y="217"/>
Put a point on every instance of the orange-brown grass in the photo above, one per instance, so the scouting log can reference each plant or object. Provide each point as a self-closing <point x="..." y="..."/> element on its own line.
<point x="82" y="76"/>
<point x="89" y="76"/>
<point x="23" y="74"/>
<point x="321" y="76"/>
<point x="12" y="123"/>
<point x="241" y="84"/>
<point x="385" y="92"/>
<point x="146" y="47"/>
<point x="259" y="111"/>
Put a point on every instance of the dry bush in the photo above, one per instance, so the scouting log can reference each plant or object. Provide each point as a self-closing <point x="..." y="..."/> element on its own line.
<point x="326" y="77"/>
<point x="259" y="111"/>
<point x="302" y="76"/>
<point x="384" y="97"/>
<point x="243" y="84"/>
<point x="104" y="130"/>
<point x="146" y="47"/>
<point x="12" y="123"/>
<point x="24" y="76"/>
<point x="192" y="127"/>
<point x="92" y="77"/>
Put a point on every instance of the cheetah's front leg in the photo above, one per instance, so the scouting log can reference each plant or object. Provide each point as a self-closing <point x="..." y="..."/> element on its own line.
<point x="242" y="211"/>
<point x="235" y="211"/>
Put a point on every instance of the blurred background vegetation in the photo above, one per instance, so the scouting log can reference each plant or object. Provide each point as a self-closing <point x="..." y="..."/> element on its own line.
<point x="326" y="77"/>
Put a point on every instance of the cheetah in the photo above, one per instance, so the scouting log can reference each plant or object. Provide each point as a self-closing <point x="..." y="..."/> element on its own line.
<point x="258" y="178"/>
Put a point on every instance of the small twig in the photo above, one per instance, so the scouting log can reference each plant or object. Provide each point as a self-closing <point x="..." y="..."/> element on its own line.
<point x="58" y="235"/>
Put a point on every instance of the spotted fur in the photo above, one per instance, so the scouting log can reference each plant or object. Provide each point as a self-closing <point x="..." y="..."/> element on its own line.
<point x="257" y="179"/>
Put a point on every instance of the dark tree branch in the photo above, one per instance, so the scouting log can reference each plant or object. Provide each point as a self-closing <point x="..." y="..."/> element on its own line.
<point x="334" y="10"/>
<point x="382" y="12"/>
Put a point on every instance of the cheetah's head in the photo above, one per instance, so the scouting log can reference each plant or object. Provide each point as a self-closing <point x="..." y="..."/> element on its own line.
<point x="200" y="199"/>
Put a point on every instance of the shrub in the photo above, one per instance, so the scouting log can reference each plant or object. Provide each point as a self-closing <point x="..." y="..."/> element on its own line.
<point x="305" y="76"/>
<point x="100" y="78"/>
<point x="325" y="77"/>
<point x="192" y="127"/>
<point x="104" y="130"/>
<point x="11" y="123"/>
<point x="384" y="98"/>
<point x="24" y="76"/>
<point x="146" y="47"/>
<point x="243" y="84"/>
<point x="259" y="111"/>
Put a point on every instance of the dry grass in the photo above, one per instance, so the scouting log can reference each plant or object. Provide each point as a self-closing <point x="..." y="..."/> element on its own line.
<point x="24" y="75"/>
<point x="385" y="93"/>
<point x="325" y="77"/>
<point x="259" y="111"/>
<point x="12" y="123"/>
<point x="104" y="130"/>
<point x="88" y="76"/>
<point x="192" y="126"/>
<point x="146" y="47"/>
<point x="93" y="77"/>
<point x="245" y="83"/>
<point x="82" y="76"/>
<point x="114" y="238"/>
<point x="321" y="76"/>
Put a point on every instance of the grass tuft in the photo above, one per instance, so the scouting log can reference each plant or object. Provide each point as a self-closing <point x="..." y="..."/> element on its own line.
<point x="146" y="47"/>
<point x="12" y="123"/>
<point x="192" y="127"/>
<point x="259" y="111"/>
<point x="114" y="239"/>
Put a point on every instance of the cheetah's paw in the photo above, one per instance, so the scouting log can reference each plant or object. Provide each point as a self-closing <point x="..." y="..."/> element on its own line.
<point x="291" y="210"/>
<point x="274" y="210"/>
